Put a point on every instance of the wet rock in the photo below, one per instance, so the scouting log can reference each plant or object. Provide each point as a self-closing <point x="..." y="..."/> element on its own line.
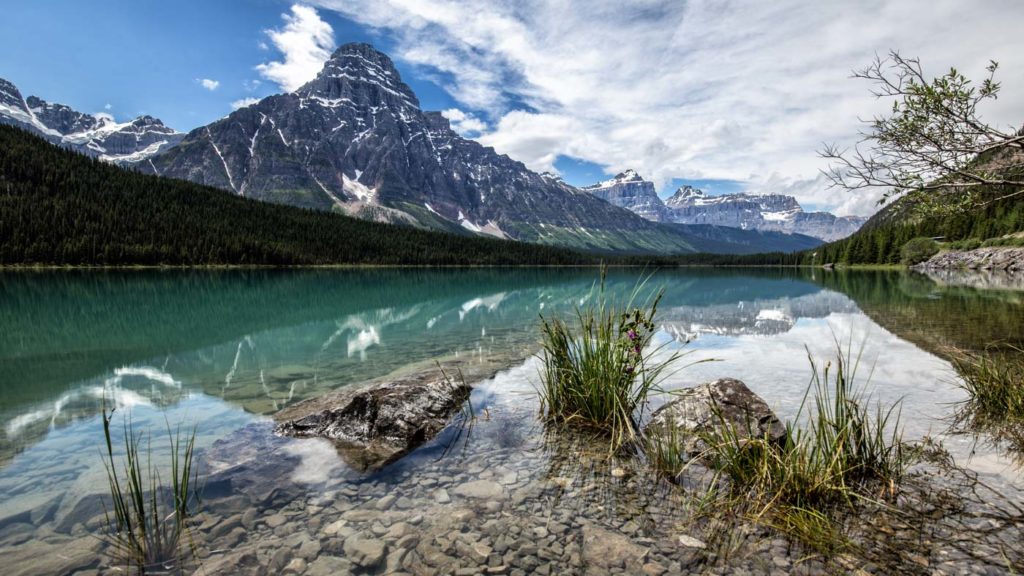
<point x="329" y="566"/>
<point x="694" y="412"/>
<point x="690" y="541"/>
<point x="377" y="423"/>
<point x="481" y="490"/>
<point x="365" y="552"/>
<point x="604" y="549"/>
<point x="56" y="557"/>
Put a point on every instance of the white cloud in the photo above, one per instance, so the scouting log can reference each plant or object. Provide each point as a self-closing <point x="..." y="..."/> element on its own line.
<point x="209" y="84"/>
<point x="306" y="43"/>
<point x="465" y="123"/>
<point x="243" y="103"/>
<point x="725" y="89"/>
<point x="107" y="106"/>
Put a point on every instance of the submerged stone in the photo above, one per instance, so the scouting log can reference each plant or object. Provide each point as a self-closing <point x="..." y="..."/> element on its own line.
<point x="707" y="407"/>
<point x="377" y="423"/>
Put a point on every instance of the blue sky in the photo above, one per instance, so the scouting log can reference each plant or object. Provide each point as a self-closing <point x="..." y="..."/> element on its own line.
<point x="733" y="95"/>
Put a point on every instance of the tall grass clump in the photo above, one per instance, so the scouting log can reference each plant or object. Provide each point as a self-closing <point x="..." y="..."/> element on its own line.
<point x="596" y="368"/>
<point x="835" y="452"/>
<point x="994" y="383"/>
<point x="148" y="522"/>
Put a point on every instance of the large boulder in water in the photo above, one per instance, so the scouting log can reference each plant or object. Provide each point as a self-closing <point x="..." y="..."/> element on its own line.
<point x="377" y="423"/>
<point x="706" y="408"/>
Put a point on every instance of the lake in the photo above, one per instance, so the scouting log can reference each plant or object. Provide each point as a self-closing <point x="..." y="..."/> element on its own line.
<point x="224" y="350"/>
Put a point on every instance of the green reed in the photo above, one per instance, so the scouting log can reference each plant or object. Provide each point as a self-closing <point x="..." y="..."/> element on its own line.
<point x="597" y="371"/>
<point x="149" y="520"/>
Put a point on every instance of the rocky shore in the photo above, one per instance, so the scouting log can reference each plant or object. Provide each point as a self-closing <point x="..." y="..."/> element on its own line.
<point x="1004" y="259"/>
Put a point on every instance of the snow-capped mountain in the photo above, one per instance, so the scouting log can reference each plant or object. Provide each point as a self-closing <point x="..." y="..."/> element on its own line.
<point x="628" y="190"/>
<point x="759" y="212"/>
<point x="355" y="140"/>
<point x="689" y="205"/>
<point x="93" y="134"/>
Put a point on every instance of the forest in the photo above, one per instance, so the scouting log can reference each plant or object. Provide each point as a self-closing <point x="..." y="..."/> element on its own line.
<point x="59" y="207"/>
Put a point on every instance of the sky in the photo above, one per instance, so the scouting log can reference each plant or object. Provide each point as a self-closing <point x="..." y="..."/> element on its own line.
<point x="727" y="95"/>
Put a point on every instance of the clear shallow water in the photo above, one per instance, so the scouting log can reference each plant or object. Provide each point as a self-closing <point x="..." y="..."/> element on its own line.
<point x="226" y="349"/>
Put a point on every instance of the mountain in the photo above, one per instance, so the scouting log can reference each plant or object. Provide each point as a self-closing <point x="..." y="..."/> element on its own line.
<point x="689" y="205"/>
<point x="92" y="134"/>
<point x="759" y="212"/>
<point x="69" y="209"/>
<point x="628" y="190"/>
<point x="354" y="140"/>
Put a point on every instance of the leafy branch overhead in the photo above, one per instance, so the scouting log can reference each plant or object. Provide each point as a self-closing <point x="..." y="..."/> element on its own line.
<point x="933" y="146"/>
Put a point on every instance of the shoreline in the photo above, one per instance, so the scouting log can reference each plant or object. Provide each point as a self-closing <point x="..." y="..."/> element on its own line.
<point x="97" y="267"/>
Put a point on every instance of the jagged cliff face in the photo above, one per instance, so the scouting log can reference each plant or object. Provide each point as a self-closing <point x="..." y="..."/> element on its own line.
<point x="759" y="212"/>
<point x="689" y="205"/>
<point x="628" y="190"/>
<point x="355" y="140"/>
<point x="93" y="134"/>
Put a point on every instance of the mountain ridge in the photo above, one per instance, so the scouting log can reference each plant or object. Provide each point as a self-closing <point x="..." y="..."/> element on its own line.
<point x="689" y="205"/>
<point x="97" y="135"/>
<point x="354" y="140"/>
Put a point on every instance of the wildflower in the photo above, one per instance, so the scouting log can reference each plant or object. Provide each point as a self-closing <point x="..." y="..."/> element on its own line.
<point x="631" y="334"/>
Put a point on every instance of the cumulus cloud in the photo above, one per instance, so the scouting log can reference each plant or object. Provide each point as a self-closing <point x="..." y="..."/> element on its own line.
<point x="242" y="103"/>
<point x="209" y="84"/>
<point x="743" y="90"/>
<point x="108" y="106"/>
<point x="465" y="123"/>
<point x="305" y="42"/>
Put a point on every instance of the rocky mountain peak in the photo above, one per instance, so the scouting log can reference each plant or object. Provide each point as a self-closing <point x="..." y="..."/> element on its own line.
<point x="684" y="193"/>
<point x="626" y="177"/>
<point x="10" y="96"/>
<point x="98" y="135"/>
<point x="359" y="73"/>
<point x="629" y="175"/>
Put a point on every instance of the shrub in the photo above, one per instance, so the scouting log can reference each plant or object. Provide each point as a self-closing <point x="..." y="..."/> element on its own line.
<point x="918" y="250"/>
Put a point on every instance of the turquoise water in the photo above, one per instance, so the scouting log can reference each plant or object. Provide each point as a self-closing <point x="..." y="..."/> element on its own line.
<point x="227" y="349"/>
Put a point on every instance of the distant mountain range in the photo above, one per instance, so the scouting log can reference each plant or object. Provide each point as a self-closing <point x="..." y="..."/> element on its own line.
<point x="92" y="134"/>
<point x="354" y="140"/>
<point x="689" y="205"/>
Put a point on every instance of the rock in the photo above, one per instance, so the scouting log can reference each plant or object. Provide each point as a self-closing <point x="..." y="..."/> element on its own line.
<point x="690" y="541"/>
<point x="441" y="496"/>
<point x="481" y="490"/>
<point x="308" y="550"/>
<point x="60" y="557"/>
<point x="604" y="549"/>
<point x="654" y="569"/>
<point x="994" y="258"/>
<point x="377" y="423"/>
<point x="694" y="412"/>
<point x="334" y="527"/>
<point x="329" y="566"/>
<point x="365" y="552"/>
<point x="385" y="502"/>
<point x="274" y="521"/>
<point x="296" y="566"/>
